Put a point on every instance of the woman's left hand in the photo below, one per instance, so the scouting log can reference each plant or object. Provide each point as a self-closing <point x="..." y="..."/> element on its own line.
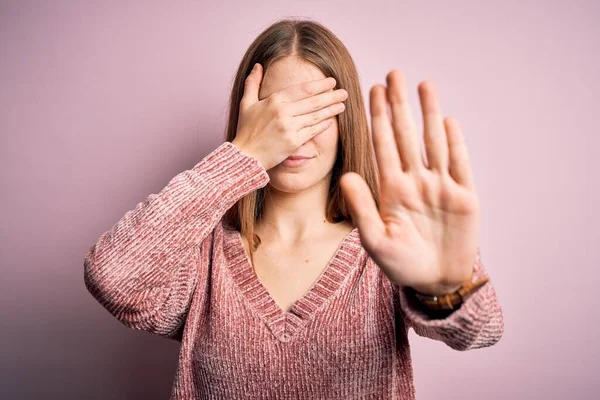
<point x="425" y="234"/>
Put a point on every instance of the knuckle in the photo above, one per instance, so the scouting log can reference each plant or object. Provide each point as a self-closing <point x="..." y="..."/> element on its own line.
<point x="282" y="124"/>
<point x="270" y="103"/>
<point x="316" y="117"/>
<point x="306" y="90"/>
<point x="332" y="111"/>
<point x="275" y="98"/>
<point x="279" y="113"/>
<point x="283" y="109"/>
<point x="287" y="125"/>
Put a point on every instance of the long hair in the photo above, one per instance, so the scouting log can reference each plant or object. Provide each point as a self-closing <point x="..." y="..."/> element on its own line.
<point x="311" y="42"/>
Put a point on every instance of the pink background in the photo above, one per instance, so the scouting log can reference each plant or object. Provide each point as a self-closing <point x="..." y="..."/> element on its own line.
<point x="101" y="104"/>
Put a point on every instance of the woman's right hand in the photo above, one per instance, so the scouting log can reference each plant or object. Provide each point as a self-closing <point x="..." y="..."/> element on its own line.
<point x="271" y="129"/>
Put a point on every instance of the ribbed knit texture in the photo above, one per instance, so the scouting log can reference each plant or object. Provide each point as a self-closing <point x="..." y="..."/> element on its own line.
<point x="170" y="267"/>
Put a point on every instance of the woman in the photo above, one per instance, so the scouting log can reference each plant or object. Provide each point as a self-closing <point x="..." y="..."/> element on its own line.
<point x="290" y="262"/>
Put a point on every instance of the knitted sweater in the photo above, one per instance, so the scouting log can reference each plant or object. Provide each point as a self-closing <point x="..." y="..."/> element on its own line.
<point x="172" y="268"/>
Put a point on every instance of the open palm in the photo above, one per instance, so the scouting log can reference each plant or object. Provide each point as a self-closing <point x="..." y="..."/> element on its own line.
<point x="425" y="233"/>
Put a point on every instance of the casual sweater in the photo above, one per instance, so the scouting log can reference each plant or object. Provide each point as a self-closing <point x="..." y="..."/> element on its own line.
<point x="171" y="267"/>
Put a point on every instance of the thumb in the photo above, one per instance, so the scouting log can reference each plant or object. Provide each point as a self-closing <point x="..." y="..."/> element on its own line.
<point x="363" y="208"/>
<point x="252" y="86"/>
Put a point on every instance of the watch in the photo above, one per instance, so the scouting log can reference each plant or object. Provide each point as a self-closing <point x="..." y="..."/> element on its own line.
<point x="450" y="301"/>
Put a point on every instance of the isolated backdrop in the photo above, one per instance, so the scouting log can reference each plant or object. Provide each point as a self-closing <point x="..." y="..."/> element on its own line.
<point x="102" y="102"/>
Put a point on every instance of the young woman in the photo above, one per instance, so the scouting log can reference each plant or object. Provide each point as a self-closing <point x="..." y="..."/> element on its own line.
<point x="292" y="260"/>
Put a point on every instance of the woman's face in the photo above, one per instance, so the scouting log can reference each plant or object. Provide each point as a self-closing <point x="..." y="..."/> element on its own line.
<point x="323" y="147"/>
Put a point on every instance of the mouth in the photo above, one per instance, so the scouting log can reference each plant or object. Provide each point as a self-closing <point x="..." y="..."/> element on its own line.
<point x="296" y="161"/>
<point x="297" y="158"/>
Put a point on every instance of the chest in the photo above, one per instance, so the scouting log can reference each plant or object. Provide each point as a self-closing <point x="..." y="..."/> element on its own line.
<point x="288" y="273"/>
<point x="339" y="341"/>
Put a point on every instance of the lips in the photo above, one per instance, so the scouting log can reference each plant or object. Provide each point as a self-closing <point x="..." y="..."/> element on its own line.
<point x="297" y="158"/>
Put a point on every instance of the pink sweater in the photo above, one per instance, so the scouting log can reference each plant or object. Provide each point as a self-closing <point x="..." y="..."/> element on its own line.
<point x="171" y="268"/>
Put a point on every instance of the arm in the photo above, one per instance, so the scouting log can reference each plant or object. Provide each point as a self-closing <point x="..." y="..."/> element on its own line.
<point x="477" y="323"/>
<point x="145" y="269"/>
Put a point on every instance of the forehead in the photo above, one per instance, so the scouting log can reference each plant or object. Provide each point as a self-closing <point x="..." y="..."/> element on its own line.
<point x="286" y="72"/>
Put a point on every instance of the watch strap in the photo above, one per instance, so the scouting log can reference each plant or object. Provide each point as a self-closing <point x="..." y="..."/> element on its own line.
<point x="450" y="301"/>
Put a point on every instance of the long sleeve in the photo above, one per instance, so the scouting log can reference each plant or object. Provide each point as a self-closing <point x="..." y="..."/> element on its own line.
<point x="145" y="269"/>
<point x="477" y="323"/>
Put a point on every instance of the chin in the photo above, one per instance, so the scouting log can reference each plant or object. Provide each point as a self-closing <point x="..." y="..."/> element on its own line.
<point x="295" y="180"/>
<point x="291" y="182"/>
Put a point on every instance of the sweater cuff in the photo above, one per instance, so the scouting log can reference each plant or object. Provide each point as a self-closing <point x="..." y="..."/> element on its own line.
<point x="231" y="169"/>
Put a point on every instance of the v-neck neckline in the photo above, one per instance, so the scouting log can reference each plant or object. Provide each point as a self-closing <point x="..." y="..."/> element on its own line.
<point x="285" y="325"/>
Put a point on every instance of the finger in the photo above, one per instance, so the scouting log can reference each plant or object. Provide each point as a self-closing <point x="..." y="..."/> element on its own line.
<point x="460" y="164"/>
<point x="404" y="127"/>
<point x="363" y="209"/>
<point x="386" y="153"/>
<point x="302" y="121"/>
<point x="252" y="86"/>
<point x="306" y="89"/>
<point x="317" y="102"/>
<point x="436" y="146"/>
<point x="309" y="132"/>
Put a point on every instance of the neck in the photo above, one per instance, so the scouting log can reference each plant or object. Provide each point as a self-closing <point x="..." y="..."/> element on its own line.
<point x="292" y="217"/>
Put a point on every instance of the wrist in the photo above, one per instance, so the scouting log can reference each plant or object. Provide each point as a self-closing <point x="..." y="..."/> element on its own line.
<point x="448" y="301"/>
<point x="242" y="149"/>
<point x="436" y="290"/>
